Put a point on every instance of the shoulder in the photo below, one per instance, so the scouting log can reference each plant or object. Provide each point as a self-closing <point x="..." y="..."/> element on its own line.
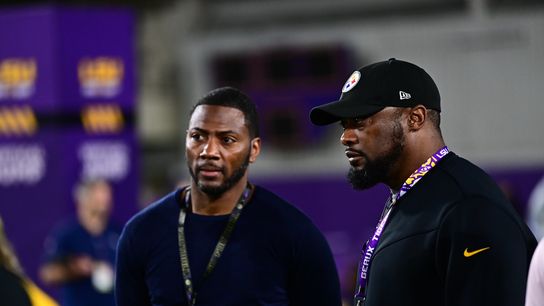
<point x="459" y="169"/>
<point x="271" y="204"/>
<point x="66" y="229"/>
<point x="456" y="180"/>
<point x="286" y="224"/>
<point x="271" y="211"/>
<point x="478" y="192"/>
<point x="152" y="216"/>
<point x="458" y="188"/>
<point x="468" y="178"/>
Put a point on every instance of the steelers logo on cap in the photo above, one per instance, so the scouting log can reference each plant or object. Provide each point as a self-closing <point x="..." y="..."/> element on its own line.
<point x="352" y="81"/>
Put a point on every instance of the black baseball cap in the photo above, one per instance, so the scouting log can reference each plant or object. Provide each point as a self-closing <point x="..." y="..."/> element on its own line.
<point x="376" y="86"/>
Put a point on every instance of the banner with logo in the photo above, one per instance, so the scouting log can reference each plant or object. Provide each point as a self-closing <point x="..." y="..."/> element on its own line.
<point x="66" y="114"/>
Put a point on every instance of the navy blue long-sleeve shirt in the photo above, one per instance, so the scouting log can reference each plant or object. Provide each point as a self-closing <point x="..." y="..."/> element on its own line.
<point x="70" y="239"/>
<point x="275" y="256"/>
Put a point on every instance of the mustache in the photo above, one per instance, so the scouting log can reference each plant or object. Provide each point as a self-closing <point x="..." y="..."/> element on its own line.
<point x="209" y="167"/>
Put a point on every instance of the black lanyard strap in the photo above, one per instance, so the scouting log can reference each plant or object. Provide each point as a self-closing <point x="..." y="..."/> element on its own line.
<point x="219" y="248"/>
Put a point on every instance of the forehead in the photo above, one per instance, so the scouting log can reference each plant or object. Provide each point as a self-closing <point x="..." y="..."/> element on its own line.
<point x="382" y="115"/>
<point x="216" y="117"/>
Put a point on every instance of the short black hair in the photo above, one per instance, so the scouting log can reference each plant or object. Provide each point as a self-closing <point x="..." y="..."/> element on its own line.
<point x="434" y="117"/>
<point x="235" y="98"/>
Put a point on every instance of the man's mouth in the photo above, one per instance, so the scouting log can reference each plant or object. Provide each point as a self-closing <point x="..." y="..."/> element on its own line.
<point x="209" y="170"/>
<point x="354" y="157"/>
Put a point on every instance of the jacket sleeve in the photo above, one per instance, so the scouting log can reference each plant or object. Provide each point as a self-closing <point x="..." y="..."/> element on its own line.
<point x="482" y="254"/>
<point x="130" y="285"/>
<point x="313" y="275"/>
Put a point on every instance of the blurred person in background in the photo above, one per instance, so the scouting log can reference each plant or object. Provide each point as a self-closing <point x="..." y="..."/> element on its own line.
<point x="535" y="281"/>
<point x="16" y="289"/>
<point x="535" y="219"/>
<point x="535" y="207"/>
<point x="447" y="235"/>
<point x="80" y="253"/>
<point x="222" y="240"/>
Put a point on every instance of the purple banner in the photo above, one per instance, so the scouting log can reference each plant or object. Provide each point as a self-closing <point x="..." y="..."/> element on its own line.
<point x="66" y="102"/>
<point x="38" y="176"/>
<point x="28" y="68"/>
<point x="96" y="48"/>
<point x="64" y="58"/>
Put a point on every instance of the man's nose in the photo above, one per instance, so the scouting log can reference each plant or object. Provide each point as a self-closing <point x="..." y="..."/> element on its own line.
<point x="210" y="149"/>
<point x="348" y="137"/>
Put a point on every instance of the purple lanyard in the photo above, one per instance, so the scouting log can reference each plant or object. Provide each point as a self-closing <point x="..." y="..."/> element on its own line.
<point x="371" y="245"/>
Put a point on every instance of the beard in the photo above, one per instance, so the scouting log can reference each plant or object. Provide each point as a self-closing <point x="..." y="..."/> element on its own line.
<point x="379" y="169"/>
<point x="216" y="191"/>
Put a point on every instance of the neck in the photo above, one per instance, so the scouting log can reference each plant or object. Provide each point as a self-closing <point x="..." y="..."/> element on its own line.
<point x="415" y="154"/>
<point x="93" y="226"/>
<point x="202" y="204"/>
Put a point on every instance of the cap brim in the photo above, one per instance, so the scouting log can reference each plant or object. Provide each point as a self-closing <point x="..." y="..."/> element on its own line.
<point x="342" y="109"/>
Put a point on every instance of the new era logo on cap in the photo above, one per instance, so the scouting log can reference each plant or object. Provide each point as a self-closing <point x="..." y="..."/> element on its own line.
<point x="404" y="95"/>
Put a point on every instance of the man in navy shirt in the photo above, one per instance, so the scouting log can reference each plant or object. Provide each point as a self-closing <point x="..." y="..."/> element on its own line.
<point x="80" y="252"/>
<point x="222" y="240"/>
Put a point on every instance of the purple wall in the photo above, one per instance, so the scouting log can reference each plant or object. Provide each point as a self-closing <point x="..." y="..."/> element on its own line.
<point x="61" y="67"/>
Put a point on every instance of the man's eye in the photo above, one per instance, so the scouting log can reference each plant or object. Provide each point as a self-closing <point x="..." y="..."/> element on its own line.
<point x="228" y="140"/>
<point x="353" y="123"/>
<point x="360" y="122"/>
<point x="195" y="136"/>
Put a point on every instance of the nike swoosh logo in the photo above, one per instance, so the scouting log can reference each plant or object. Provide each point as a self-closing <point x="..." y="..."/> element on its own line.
<point x="469" y="254"/>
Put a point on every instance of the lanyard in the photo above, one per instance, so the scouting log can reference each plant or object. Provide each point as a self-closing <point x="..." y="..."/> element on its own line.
<point x="371" y="245"/>
<point x="219" y="248"/>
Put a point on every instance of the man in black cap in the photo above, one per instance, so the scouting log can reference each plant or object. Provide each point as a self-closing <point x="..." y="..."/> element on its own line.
<point x="447" y="235"/>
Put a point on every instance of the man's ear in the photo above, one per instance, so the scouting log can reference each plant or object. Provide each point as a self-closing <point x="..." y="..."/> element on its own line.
<point x="417" y="117"/>
<point x="255" y="149"/>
